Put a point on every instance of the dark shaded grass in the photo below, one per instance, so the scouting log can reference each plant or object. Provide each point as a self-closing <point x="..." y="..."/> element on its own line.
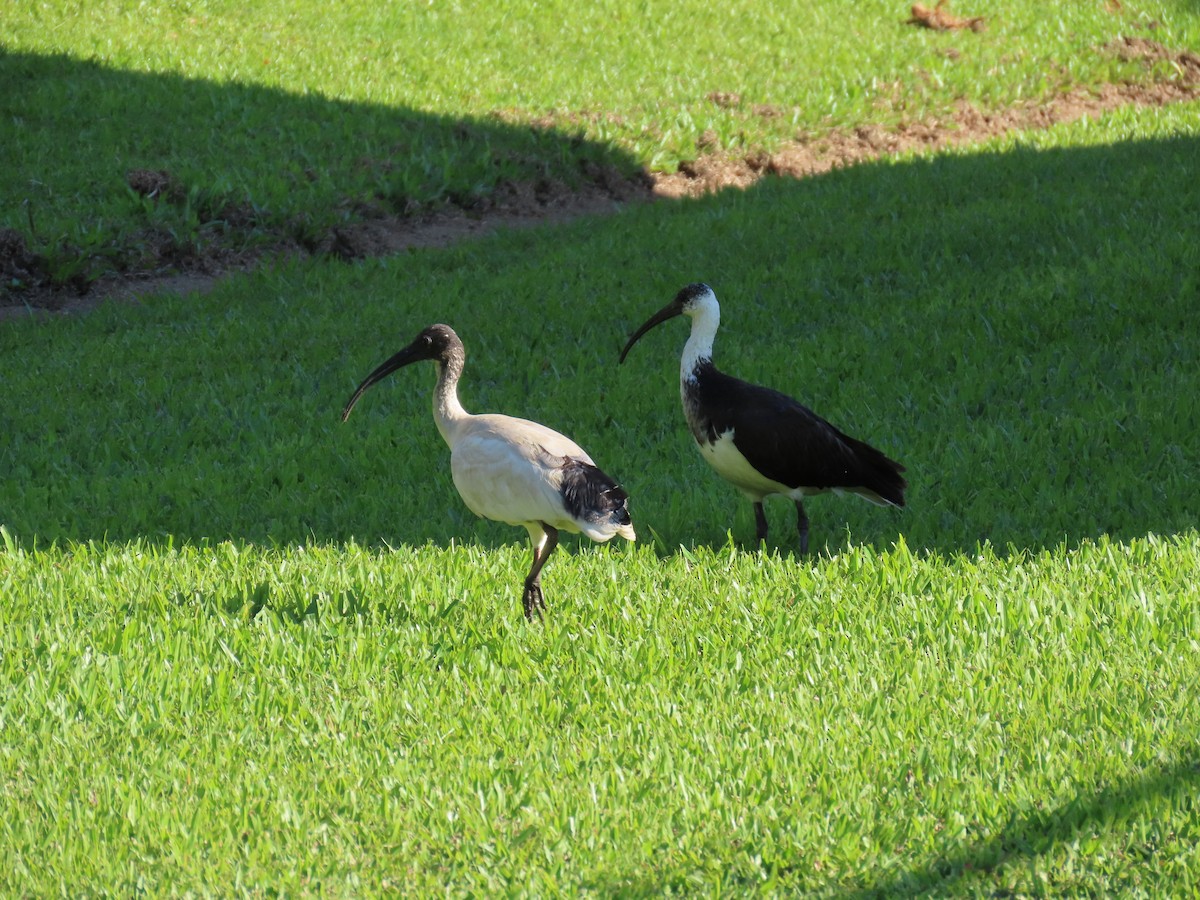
<point x="1038" y="833"/>
<point x="227" y="168"/>
<point x="1012" y="326"/>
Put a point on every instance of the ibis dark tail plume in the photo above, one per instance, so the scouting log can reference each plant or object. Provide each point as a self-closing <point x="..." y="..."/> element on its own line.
<point x="761" y="441"/>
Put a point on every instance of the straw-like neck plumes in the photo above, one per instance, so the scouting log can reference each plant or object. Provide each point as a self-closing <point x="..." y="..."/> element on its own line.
<point x="705" y="314"/>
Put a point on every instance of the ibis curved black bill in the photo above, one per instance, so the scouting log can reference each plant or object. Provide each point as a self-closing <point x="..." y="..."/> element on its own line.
<point x="670" y="311"/>
<point x="409" y="354"/>
<point x="437" y="342"/>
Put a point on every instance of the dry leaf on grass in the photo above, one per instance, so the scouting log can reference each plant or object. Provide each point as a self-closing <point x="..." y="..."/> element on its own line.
<point x="941" y="19"/>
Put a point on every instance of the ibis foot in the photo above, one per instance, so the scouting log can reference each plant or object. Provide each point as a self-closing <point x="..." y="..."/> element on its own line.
<point x="760" y="523"/>
<point x="533" y="599"/>
<point x="802" y="527"/>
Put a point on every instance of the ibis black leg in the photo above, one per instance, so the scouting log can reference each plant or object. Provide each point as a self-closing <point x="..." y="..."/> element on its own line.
<point x="533" y="599"/>
<point x="760" y="522"/>
<point x="802" y="527"/>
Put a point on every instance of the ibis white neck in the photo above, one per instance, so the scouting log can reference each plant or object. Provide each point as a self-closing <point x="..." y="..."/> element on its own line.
<point x="706" y="317"/>
<point x="448" y="413"/>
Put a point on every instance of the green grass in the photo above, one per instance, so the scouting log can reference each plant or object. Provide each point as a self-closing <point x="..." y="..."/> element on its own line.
<point x="281" y="121"/>
<point x="335" y="720"/>
<point x="247" y="648"/>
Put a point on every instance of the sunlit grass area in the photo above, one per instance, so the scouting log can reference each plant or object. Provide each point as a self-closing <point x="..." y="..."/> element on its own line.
<point x="338" y="720"/>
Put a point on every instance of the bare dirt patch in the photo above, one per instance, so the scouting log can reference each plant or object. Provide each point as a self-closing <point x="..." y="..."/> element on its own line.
<point x="17" y="262"/>
<point x="153" y="184"/>
<point x="1130" y="48"/>
<point x="804" y="158"/>
<point x="377" y="233"/>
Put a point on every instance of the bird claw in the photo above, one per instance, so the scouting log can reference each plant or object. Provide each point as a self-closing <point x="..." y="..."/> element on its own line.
<point x="534" y="601"/>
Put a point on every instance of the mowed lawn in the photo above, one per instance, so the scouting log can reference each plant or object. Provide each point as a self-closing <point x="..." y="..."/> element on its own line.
<point x="171" y="134"/>
<point x="248" y="649"/>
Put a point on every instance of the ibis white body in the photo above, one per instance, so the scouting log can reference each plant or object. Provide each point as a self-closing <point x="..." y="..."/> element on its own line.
<point x="728" y="462"/>
<point x="513" y="470"/>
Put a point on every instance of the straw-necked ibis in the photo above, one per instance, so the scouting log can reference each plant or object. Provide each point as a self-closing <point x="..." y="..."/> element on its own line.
<point x="512" y="470"/>
<point x="761" y="441"/>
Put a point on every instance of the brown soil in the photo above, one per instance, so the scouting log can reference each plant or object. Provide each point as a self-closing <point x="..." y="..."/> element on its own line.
<point x="520" y="205"/>
<point x="968" y="125"/>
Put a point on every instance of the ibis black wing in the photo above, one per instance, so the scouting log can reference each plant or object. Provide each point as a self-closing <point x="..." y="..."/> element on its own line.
<point x="789" y="443"/>
<point x="591" y="495"/>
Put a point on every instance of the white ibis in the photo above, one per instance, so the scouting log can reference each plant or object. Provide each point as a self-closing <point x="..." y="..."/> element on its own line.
<point x="761" y="441"/>
<point x="512" y="470"/>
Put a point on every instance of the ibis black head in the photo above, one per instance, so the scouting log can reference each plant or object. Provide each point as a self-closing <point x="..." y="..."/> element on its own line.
<point x="437" y="342"/>
<point x="685" y="302"/>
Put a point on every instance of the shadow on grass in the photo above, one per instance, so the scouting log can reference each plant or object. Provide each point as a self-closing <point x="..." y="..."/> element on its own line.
<point x="967" y="870"/>
<point x="1015" y="327"/>
<point x="110" y="171"/>
<point x="1009" y="325"/>
<point x="1039" y="833"/>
